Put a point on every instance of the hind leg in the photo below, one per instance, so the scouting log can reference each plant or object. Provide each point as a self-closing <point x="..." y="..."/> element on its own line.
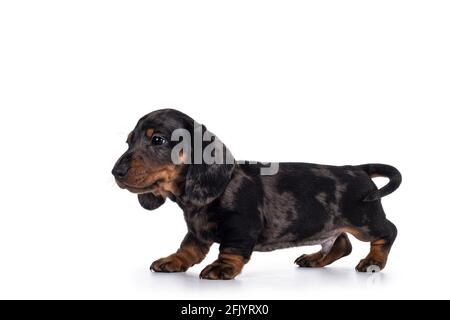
<point x="381" y="236"/>
<point x="331" y="251"/>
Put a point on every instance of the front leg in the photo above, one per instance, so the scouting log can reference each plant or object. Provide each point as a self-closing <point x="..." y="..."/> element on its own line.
<point x="226" y="267"/>
<point x="191" y="251"/>
<point x="240" y="234"/>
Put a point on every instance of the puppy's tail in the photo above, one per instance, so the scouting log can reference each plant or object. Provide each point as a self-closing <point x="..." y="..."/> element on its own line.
<point x="382" y="170"/>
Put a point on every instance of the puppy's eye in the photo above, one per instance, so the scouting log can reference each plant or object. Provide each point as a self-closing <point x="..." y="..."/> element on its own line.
<point x="158" y="140"/>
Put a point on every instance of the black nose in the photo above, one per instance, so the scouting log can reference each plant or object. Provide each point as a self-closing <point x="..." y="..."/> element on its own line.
<point x="120" y="171"/>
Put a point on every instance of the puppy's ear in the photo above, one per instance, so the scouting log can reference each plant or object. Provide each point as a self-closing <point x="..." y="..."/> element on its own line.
<point x="149" y="201"/>
<point x="207" y="181"/>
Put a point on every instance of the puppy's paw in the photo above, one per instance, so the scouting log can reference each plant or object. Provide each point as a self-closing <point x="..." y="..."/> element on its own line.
<point x="219" y="271"/>
<point x="172" y="263"/>
<point x="310" y="260"/>
<point x="369" y="265"/>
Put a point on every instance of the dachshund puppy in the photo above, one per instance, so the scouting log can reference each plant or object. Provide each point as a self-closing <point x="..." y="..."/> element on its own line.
<point x="232" y="203"/>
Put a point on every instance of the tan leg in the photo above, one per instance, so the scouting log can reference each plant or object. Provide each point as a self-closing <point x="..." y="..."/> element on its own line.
<point x="330" y="252"/>
<point x="191" y="251"/>
<point x="376" y="259"/>
<point x="381" y="238"/>
<point x="226" y="267"/>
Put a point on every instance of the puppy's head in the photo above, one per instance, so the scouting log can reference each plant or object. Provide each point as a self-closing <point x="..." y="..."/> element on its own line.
<point x="155" y="167"/>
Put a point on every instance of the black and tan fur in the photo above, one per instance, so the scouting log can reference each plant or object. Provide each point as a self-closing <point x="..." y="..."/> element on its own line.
<point x="244" y="211"/>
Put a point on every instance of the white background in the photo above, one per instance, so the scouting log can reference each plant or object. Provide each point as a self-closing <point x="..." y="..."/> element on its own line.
<point x="335" y="82"/>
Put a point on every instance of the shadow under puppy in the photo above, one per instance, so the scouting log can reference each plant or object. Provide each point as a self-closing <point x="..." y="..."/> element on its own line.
<point x="233" y="204"/>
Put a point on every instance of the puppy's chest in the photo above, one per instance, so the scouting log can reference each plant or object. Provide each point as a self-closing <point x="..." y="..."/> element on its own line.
<point x="201" y="224"/>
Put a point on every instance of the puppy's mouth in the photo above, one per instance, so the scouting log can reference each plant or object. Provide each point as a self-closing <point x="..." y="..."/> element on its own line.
<point x="139" y="189"/>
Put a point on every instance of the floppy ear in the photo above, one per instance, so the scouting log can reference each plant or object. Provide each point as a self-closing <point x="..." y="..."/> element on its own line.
<point x="207" y="181"/>
<point x="149" y="201"/>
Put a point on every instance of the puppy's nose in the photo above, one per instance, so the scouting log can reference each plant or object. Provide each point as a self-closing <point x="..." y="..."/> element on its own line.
<point x="120" y="171"/>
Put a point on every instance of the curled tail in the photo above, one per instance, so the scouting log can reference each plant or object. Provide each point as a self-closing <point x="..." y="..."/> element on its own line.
<point x="382" y="170"/>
